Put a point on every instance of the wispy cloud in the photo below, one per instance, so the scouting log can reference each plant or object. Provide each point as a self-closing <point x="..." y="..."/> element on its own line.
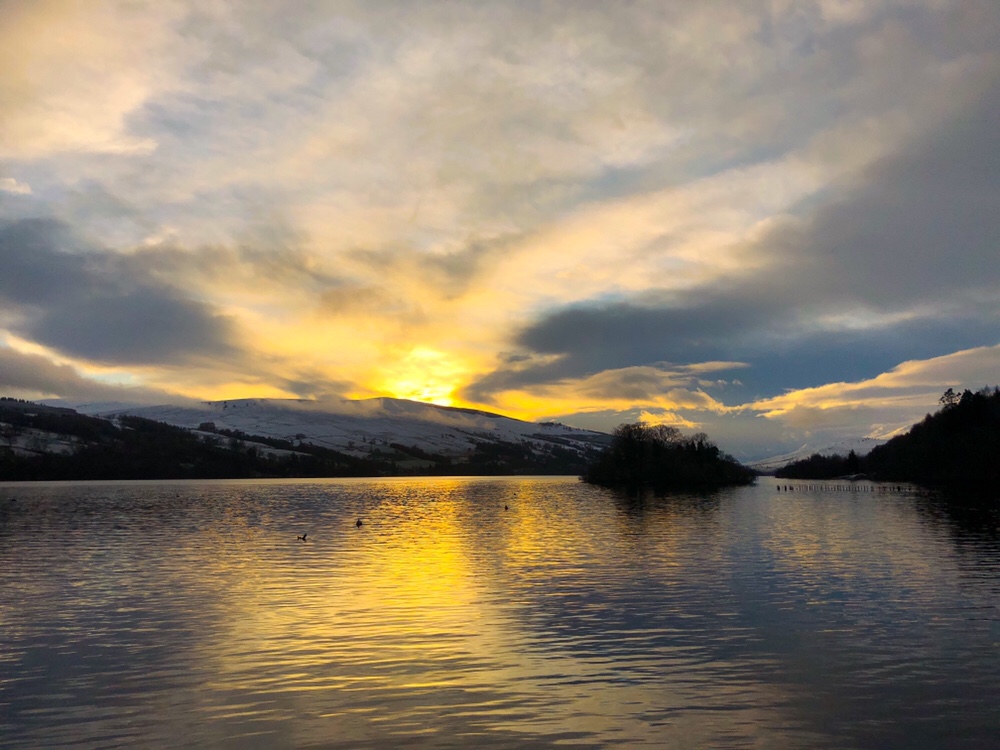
<point x="11" y="185"/>
<point x="532" y="207"/>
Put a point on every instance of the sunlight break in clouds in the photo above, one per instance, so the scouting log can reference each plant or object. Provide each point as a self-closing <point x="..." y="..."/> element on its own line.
<point x="525" y="208"/>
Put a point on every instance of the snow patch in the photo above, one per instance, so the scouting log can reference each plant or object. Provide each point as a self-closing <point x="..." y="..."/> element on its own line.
<point x="357" y="427"/>
<point x="862" y="446"/>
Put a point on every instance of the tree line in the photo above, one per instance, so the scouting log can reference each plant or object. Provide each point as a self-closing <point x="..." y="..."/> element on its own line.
<point x="957" y="446"/>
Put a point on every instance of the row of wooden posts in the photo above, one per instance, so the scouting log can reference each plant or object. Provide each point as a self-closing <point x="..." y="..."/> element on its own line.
<point x="840" y="487"/>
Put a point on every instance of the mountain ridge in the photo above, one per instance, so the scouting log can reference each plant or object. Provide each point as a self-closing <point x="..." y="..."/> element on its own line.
<point x="860" y="445"/>
<point x="262" y="438"/>
<point x="355" y="427"/>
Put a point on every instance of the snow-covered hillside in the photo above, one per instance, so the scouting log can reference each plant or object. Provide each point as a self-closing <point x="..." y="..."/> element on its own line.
<point x="861" y="446"/>
<point x="355" y="427"/>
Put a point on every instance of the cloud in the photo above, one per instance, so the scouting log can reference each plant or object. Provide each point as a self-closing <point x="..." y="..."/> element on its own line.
<point x="35" y="376"/>
<point x="72" y="75"/>
<point x="10" y="185"/>
<point x="894" y="259"/>
<point x="142" y="325"/>
<point x="912" y="382"/>
<point x="501" y="202"/>
<point x="878" y="407"/>
<point x="921" y="224"/>
<point x="83" y="302"/>
<point x="661" y="392"/>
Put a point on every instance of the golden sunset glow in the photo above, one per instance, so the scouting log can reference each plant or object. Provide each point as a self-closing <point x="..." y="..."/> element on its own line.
<point x="423" y="375"/>
<point x="590" y="216"/>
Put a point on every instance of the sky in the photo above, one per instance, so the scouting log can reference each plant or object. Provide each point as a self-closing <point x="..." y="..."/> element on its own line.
<point x="775" y="222"/>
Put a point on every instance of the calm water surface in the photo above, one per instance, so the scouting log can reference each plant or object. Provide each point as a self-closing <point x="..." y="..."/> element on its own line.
<point x="166" y="614"/>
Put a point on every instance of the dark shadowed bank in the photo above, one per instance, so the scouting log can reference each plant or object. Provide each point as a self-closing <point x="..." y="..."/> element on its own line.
<point x="660" y="458"/>
<point x="956" y="447"/>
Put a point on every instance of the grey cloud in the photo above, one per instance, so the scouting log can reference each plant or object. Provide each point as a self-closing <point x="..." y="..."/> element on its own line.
<point x="267" y="252"/>
<point x="253" y="265"/>
<point x="349" y="299"/>
<point x="694" y="328"/>
<point x="87" y="303"/>
<point x="313" y="385"/>
<point x="513" y="357"/>
<point x="34" y="375"/>
<point x="587" y="339"/>
<point x="926" y="222"/>
<point x="918" y="236"/>
<point x="33" y="272"/>
<point x="488" y="97"/>
<point x="140" y="325"/>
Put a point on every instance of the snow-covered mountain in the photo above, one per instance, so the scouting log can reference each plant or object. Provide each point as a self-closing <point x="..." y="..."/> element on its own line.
<point x="356" y="427"/>
<point x="860" y="445"/>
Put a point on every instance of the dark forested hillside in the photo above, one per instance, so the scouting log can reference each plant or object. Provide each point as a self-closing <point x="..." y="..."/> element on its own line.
<point x="818" y="466"/>
<point x="41" y="442"/>
<point x="958" y="446"/>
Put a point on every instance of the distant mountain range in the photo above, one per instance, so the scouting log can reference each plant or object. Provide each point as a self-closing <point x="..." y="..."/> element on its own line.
<point x="860" y="445"/>
<point x="250" y="438"/>
<point x="382" y="429"/>
<point x="357" y="427"/>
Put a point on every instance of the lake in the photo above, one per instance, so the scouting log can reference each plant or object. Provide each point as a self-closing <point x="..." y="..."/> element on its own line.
<point x="189" y="614"/>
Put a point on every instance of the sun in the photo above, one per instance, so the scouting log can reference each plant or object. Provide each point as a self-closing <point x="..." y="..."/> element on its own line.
<point x="424" y="374"/>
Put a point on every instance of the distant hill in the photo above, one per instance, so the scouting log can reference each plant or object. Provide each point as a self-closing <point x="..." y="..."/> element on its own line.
<point x="357" y="427"/>
<point x="253" y="437"/>
<point x="861" y="446"/>
<point x="958" y="446"/>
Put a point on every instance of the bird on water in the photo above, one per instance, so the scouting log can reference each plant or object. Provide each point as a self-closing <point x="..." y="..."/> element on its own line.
<point x="303" y="536"/>
<point x="359" y="524"/>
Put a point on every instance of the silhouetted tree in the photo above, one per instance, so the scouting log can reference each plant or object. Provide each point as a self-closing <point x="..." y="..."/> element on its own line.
<point x="659" y="456"/>
<point x="948" y="398"/>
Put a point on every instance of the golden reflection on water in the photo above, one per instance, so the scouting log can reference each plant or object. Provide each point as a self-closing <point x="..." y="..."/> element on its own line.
<point x="573" y="615"/>
<point x="443" y="592"/>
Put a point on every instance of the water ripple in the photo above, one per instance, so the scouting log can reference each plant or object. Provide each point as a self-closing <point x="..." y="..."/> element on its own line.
<point x="189" y="613"/>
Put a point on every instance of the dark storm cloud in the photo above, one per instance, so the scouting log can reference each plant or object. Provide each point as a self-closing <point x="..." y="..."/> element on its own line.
<point x="90" y="304"/>
<point x="907" y="259"/>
